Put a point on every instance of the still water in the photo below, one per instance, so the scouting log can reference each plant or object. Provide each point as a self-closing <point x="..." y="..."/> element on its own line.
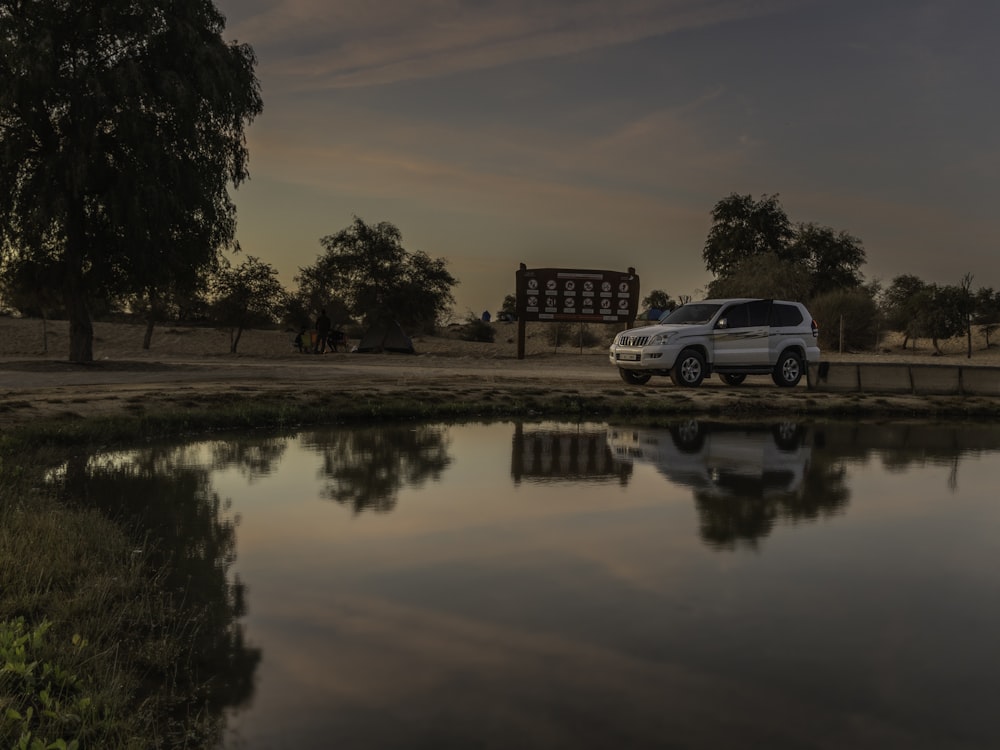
<point x="550" y="585"/>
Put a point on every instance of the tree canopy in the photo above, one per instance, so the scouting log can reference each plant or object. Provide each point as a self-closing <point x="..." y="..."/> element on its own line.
<point x="766" y="276"/>
<point x="919" y="309"/>
<point x="121" y="128"/>
<point x="368" y="268"/>
<point x="246" y="295"/>
<point x="747" y="235"/>
<point x="743" y="228"/>
<point x="659" y="300"/>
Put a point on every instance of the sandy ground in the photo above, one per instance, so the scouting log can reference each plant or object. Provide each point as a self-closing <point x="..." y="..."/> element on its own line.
<point x="190" y="365"/>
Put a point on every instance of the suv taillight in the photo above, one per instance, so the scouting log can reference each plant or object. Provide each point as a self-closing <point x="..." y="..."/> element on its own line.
<point x="815" y="328"/>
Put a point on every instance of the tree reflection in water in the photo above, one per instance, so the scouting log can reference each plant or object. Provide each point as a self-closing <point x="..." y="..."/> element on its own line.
<point x="200" y="665"/>
<point x="365" y="469"/>
<point x="749" y="513"/>
<point x="253" y="457"/>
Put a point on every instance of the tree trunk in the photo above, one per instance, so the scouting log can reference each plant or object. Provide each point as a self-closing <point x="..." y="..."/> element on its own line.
<point x="154" y="313"/>
<point x="81" y="329"/>
<point x="234" y="341"/>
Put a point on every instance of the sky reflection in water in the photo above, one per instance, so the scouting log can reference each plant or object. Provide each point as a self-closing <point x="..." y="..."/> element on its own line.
<point x="556" y="585"/>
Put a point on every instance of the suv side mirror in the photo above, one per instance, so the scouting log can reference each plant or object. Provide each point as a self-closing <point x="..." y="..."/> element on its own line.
<point x="722" y="323"/>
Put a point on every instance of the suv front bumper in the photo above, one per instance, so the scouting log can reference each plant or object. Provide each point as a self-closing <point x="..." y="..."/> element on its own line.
<point x="643" y="358"/>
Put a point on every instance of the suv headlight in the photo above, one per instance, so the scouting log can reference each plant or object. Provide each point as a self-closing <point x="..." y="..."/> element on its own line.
<point x="659" y="339"/>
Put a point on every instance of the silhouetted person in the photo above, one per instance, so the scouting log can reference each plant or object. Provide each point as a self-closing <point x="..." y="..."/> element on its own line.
<point x="322" y="331"/>
<point x="300" y="340"/>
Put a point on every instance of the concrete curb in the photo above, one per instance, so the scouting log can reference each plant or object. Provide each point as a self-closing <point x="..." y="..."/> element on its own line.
<point x="949" y="380"/>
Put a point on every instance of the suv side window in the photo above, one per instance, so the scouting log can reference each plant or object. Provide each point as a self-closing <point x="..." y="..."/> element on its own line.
<point x="785" y="316"/>
<point x="736" y="316"/>
<point x="759" y="312"/>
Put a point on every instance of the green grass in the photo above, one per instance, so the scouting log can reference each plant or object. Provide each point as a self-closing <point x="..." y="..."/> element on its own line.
<point x="79" y="612"/>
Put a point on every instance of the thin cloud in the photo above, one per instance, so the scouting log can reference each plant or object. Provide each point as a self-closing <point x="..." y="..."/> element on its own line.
<point x="352" y="44"/>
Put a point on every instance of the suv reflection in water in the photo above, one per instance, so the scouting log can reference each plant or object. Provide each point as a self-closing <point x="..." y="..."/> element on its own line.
<point x="744" y="477"/>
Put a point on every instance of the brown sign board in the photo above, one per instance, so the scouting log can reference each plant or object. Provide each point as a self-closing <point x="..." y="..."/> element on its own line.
<point x="579" y="296"/>
<point x="557" y="295"/>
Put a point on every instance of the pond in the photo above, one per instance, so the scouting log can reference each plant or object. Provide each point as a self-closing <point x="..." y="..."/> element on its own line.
<point x="551" y="585"/>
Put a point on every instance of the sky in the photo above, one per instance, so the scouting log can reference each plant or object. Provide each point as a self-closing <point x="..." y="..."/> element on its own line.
<point x="599" y="134"/>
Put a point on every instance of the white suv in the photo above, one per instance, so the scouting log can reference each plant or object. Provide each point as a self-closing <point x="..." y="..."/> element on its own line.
<point x="731" y="337"/>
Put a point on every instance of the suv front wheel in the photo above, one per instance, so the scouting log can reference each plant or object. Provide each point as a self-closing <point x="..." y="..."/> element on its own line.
<point x="788" y="370"/>
<point x="634" y="378"/>
<point x="689" y="369"/>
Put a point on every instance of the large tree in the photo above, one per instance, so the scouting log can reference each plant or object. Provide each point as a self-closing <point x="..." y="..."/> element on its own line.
<point x="765" y="275"/>
<point x="987" y="311"/>
<point x="121" y="128"/>
<point x="245" y="296"/>
<point x="748" y="234"/>
<point x="834" y="259"/>
<point x="368" y="268"/>
<point x="743" y="228"/>
<point x="904" y="305"/>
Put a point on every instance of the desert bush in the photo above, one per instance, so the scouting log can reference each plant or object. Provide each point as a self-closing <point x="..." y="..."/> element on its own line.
<point x="860" y="315"/>
<point x="571" y="334"/>
<point x="478" y="330"/>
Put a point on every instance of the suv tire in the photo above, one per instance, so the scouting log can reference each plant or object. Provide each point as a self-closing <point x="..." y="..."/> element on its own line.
<point x="689" y="369"/>
<point x="732" y="378"/>
<point x="788" y="370"/>
<point x="634" y="377"/>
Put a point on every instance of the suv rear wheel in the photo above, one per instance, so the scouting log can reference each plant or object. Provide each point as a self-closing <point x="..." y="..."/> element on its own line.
<point x="689" y="369"/>
<point x="788" y="370"/>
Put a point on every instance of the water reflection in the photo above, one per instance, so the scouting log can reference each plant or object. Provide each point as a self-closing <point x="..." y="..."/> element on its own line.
<point x="365" y="469"/>
<point x="581" y="585"/>
<point x="552" y="452"/>
<point x="255" y="457"/>
<point x="744" y="478"/>
<point x="164" y="497"/>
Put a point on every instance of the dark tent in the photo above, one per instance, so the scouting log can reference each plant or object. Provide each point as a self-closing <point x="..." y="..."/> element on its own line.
<point x="386" y="337"/>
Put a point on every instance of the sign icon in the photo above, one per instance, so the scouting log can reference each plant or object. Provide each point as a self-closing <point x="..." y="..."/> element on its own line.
<point x="588" y="286"/>
<point x="623" y="287"/>
<point x="606" y="286"/>
<point x="570" y="286"/>
<point x="550" y="284"/>
<point x="532" y="283"/>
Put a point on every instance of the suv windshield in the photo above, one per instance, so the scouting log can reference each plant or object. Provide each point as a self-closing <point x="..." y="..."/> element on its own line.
<point x="690" y="314"/>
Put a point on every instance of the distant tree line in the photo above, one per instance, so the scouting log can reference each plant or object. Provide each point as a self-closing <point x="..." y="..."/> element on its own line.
<point x="121" y="130"/>
<point x="364" y="276"/>
<point x="754" y="250"/>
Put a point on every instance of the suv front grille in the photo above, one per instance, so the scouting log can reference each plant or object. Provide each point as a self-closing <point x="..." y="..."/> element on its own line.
<point x="633" y="340"/>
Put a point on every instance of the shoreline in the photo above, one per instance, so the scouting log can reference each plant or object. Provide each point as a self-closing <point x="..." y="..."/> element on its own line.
<point x="185" y="376"/>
